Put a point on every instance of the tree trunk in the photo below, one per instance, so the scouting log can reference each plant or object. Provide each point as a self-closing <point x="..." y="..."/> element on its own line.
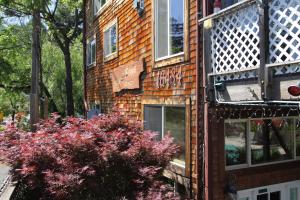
<point x="36" y="64"/>
<point x="69" y="82"/>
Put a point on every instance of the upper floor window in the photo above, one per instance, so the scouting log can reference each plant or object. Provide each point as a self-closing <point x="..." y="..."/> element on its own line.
<point x="169" y="28"/>
<point x="91" y="51"/>
<point x="98" y="4"/>
<point x="110" y="40"/>
<point x="261" y="141"/>
<point x="217" y="5"/>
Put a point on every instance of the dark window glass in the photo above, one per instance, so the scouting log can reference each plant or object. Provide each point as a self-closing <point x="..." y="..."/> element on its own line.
<point x="153" y="119"/>
<point x="298" y="137"/>
<point x="271" y="140"/>
<point x="113" y="38"/>
<point x="175" y="126"/>
<point x="176" y="26"/>
<point x="262" y="197"/>
<point x="275" y="196"/>
<point x="235" y="143"/>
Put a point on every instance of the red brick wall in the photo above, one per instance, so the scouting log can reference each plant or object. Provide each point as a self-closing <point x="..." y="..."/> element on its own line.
<point x="135" y="43"/>
<point x="245" y="178"/>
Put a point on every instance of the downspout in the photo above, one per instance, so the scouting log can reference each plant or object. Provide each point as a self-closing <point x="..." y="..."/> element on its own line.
<point x="205" y="116"/>
<point x="201" y="104"/>
<point x="198" y="171"/>
<point x="84" y="60"/>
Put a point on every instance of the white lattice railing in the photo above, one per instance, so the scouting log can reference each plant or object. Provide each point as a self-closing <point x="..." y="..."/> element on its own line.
<point x="235" y="42"/>
<point x="284" y="35"/>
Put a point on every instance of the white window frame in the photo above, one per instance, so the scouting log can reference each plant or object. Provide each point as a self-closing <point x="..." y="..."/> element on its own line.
<point x="163" y="125"/>
<point x="96" y="13"/>
<point x="111" y="55"/>
<point x="156" y="33"/>
<point x="91" y="41"/>
<point x="284" y="189"/>
<point x="248" y="163"/>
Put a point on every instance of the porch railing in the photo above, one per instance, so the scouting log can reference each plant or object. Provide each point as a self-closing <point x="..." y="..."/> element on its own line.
<point x="233" y="40"/>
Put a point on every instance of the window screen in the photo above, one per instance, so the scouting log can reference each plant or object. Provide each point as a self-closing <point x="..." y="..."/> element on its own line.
<point x="153" y="119"/>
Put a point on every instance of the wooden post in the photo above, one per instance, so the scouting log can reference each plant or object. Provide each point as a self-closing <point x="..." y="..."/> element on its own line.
<point x="264" y="76"/>
<point x="35" y="71"/>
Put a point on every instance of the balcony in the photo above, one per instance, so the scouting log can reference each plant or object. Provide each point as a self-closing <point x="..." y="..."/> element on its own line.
<point x="253" y="50"/>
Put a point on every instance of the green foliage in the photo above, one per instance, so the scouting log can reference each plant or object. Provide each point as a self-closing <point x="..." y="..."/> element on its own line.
<point x="14" y="68"/>
<point x="55" y="74"/>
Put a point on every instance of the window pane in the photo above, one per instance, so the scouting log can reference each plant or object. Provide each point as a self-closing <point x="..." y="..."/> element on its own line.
<point x="113" y="38"/>
<point x="263" y="197"/>
<point x="271" y="140"/>
<point x="107" y="42"/>
<point x="88" y="53"/>
<point x="153" y="119"/>
<point x="96" y="6"/>
<point x="235" y="143"/>
<point x="161" y="22"/>
<point x="103" y="2"/>
<point x="176" y="26"/>
<point x="93" y="52"/>
<point x="298" y="137"/>
<point x="294" y="194"/>
<point x="275" y="196"/>
<point x="175" y="126"/>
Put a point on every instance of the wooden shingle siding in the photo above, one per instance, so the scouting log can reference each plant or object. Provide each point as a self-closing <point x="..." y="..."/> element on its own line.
<point x="135" y="43"/>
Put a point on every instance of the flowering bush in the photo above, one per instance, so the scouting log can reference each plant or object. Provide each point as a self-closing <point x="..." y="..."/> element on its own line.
<point x="103" y="158"/>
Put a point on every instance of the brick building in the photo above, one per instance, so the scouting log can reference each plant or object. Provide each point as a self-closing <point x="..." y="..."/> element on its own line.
<point x="251" y="60"/>
<point x="218" y="82"/>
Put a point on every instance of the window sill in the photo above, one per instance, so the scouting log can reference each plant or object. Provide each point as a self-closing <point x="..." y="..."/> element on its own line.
<point x="110" y="57"/>
<point x="246" y="166"/>
<point x="179" y="58"/>
<point x="176" y="173"/>
<point x="91" y="66"/>
<point x="101" y="10"/>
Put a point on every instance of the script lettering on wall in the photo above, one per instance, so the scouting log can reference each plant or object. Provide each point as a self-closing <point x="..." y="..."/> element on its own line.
<point x="127" y="76"/>
<point x="168" y="78"/>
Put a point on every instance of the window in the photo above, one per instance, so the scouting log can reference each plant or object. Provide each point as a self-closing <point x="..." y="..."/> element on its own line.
<point x="98" y="4"/>
<point x="235" y="143"/>
<point x="294" y="194"/>
<point x="298" y="137"/>
<point x="271" y="140"/>
<point x="91" y="52"/>
<point x="110" y="40"/>
<point x="281" y="191"/>
<point x="223" y="3"/>
<point x="167" y="120"/>
<point x="169" y="28"/>
<point x="261" y="141"/>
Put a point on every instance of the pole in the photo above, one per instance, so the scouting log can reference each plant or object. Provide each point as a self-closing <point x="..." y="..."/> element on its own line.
<point x="35" y="71"/>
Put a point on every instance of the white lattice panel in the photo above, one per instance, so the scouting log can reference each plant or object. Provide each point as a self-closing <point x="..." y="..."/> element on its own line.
<point x="284" y="19"/>
<point x="286" y="69"/>
<point x="235" y="43"/>
<point x="237" y="76"/>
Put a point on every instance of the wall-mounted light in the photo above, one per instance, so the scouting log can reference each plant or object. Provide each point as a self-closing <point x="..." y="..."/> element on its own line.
<point x="139" y="5"/>
<point x="294" y="90"/>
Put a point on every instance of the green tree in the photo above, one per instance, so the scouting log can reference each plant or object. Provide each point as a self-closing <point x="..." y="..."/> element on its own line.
<point x="64" y="19"/>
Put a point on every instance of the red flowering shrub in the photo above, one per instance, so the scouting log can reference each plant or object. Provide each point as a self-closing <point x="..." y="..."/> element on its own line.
<point x="103" y="158"/>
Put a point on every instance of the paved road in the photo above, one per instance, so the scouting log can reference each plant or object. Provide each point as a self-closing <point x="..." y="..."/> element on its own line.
<point x="3" y="173"/>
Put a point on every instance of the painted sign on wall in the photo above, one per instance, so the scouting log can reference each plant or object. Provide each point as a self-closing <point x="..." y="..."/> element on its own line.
<point x="127" y="76"/>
